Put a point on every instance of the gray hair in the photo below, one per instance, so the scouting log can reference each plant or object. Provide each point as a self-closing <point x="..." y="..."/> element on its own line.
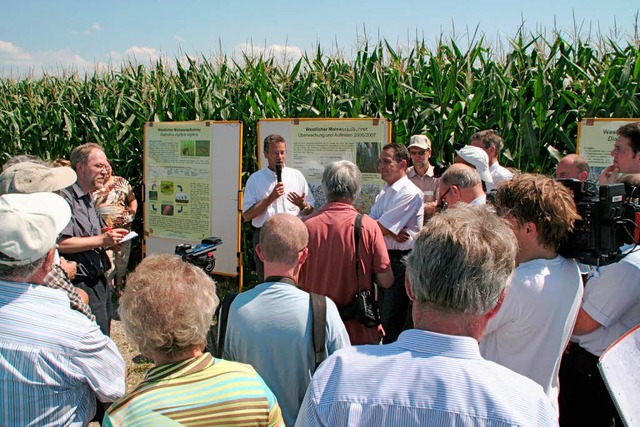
<point x="341" y="181"/>
<point x="282" y="237"/>
<point x="463" y="177"/>
<point x="20" y="273"/>
<point x="462" y="260"/>
<point x="167" y="305"/>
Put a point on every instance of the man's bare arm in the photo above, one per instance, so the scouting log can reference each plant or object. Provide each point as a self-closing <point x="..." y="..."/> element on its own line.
<point x="384" y="279"/>
<point x="585" y="323"/>
<point x="72" y="245"/>
<point x="261" y="206"/>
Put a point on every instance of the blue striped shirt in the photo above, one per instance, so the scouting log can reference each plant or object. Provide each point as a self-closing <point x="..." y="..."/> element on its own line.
<point x="423" y="379"/>
<point x="53" y="360"/>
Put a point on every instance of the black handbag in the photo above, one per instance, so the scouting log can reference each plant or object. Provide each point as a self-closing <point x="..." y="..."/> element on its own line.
<point x="363" y="307"/>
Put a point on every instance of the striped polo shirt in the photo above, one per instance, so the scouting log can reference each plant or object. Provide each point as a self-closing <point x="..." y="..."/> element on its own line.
<point x="198" y="391"/>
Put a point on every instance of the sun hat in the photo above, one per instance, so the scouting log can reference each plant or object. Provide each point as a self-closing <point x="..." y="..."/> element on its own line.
<point x="30" y="226"/>
<point x="477" y="158"/>
<point x="28" y="177"/>
<point x="420" y="141"/>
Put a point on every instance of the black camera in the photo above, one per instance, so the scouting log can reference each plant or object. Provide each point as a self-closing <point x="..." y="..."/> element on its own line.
<point x="202" y="255"/>
<point x="608" y="221"/>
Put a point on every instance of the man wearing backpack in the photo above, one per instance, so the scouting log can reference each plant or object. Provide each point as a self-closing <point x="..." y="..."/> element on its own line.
<point x="271" y="326"/>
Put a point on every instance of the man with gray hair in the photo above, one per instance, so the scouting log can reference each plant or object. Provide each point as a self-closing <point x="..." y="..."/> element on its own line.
<point x="271" y="326"/>
<point x="332" y="242"/>
<point x="461" y="183"/>
<point x="457" y="275"/>
<point x="55" y="363"/>
<point x="572" y="166"/>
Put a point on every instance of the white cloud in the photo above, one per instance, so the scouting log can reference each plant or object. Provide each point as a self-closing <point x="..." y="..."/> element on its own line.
<point x="179" y="38"/>
<point x="96" y="27"/>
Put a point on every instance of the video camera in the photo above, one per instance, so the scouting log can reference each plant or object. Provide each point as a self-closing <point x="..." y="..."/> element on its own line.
<point x="202" y="255"/>
<point x="610" y="217"/>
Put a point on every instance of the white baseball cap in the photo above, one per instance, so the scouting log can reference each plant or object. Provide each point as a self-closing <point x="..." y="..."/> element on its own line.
<point x="420" y="141"/>
<point x="30" y="226"/>
<point x="477" y="158"/>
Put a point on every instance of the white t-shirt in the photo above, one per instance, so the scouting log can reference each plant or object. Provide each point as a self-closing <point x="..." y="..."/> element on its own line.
<point x="261" y="184"/>
<point x="611" y="298"/>
<point x="534" y="324"/>
<point x="399" y="207"/>
<point x="499" y="173"/>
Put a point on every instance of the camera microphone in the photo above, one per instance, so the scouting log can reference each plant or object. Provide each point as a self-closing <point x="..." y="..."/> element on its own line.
<point x="279" y="172"/>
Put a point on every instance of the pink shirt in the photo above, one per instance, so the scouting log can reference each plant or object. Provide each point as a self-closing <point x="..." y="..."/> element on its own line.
<point x="330" y="268"/>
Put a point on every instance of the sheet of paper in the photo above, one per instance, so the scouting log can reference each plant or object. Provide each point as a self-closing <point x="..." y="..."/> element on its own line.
<point x="620" y="368"/>
<point x="129" y="236"/>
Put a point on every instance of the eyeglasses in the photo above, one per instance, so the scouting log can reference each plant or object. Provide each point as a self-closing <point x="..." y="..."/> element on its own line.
<point x="442" y="203"/>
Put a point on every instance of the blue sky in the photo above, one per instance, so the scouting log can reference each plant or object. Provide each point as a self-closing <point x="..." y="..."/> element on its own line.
<point x="57" y="35"/>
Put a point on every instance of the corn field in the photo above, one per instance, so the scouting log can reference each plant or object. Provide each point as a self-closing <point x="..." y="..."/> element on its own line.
<point x="534" y="93"/>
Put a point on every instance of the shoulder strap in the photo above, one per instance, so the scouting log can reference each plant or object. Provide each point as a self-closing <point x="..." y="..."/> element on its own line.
<point x="223" y="316"/>
<point x="319" y="313"/>
<point x="357" y="232"/>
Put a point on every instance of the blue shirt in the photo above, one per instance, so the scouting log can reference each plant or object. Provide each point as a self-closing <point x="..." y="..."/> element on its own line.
<point x="423" y="379"/>
<point x="270" y="328"/>
<point x="54" y="361"/>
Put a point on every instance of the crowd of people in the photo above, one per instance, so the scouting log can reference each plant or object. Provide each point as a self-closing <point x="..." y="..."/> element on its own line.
<point x="447" y="304"/>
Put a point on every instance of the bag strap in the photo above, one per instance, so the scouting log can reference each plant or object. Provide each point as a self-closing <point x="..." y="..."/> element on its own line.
<point x="319" y="313"/>
<point x="357" y="232"/>
<point x="223" y="316"/>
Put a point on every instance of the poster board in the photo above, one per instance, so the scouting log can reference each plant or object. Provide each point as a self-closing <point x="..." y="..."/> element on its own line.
<point x="620" y="369"/>
<point x="595" y="142"/>
<point x="313" y="143"/>
<point x="192" y="176"/>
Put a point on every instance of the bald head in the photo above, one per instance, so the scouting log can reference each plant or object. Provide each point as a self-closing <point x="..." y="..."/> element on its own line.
<point x="282" y="238"/>
<point x="572" y="166"/>
<point x="461" y="183"/>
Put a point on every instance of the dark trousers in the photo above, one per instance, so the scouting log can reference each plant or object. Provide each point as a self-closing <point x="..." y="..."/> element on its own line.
<point x="394" y="302"/>
<point x="99" y="300"/>
<point x="584" y="399"/>
<point x="256" y="258"/>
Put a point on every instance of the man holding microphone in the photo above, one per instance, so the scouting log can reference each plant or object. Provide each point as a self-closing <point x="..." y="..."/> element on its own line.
<point x="263" y="194"/>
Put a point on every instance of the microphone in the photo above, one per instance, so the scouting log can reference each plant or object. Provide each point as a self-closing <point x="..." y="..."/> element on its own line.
<point x="279" y="171"/>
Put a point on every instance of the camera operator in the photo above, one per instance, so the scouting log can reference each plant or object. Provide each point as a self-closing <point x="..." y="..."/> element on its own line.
<point x="610" y="307"/>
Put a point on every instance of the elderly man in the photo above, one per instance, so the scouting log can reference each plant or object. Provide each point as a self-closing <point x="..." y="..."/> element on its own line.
<point x="82" y="240"/>
<point x="54" y="363"/>
<point x="332" y="242"/>
<point x="491" y="142"/>
<point x="572" y="166"/>
<point x="270" y="327"/>
<point x="457" y="275"/>
<point x="534" y="325"/>
<point x="26" y="177"/>
<point x="186" y="383"/>
<point x="625" y="153"/>
<point x="400" y="214"/>
<point x="422" y="172"/>
<point x="610" y="308"/>
<point x="461" y="183"/>
<point x="263" y="194"/>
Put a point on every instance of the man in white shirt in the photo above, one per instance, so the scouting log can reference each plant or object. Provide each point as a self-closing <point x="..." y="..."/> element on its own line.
<point x="461" y="183"/>
<point x="266" y="188"/>
<point x="491" y="142"/>
<point x="434" y="374"/>
<point x="399" y="211"/>
<point x="534" y="325"/>
<point x="610" y="308"/>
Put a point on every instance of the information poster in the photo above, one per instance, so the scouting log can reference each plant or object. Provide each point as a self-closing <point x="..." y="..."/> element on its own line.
<point x="178" y="179"/>
<point x="596" y="138"/>
<point x="312" y="144"/>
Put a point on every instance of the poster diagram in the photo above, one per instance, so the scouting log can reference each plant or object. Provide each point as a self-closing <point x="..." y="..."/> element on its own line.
<point x="178" y="181"/>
